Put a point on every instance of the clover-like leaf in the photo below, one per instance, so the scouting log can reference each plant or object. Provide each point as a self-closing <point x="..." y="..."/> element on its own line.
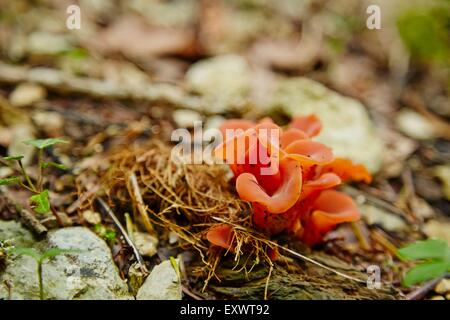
<point x="44" y="143"/>
<point x="9" y="180"/>
<point x="423" y="250"/>
<point x="41" y="201"/>
<point x="425" y="271"/>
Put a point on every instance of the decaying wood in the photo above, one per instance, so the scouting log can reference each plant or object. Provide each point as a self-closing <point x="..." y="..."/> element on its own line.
<point x="29" y="220"/>
<point x="61" y="82"/>
<point x="302" y="281"/>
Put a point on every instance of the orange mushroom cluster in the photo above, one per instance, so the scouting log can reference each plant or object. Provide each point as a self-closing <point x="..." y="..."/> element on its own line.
<point x="291" y="185"/>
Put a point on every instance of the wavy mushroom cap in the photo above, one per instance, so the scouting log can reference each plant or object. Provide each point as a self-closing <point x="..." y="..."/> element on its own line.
<point x="329" y="209"/>
<point x="221" y="236"/>
<point x="310" y="124"/>
<point x="287" y="194"/>
<point x="347" y="170"/>
<point x="291" y="135"/>
<point x="309" y="153"/>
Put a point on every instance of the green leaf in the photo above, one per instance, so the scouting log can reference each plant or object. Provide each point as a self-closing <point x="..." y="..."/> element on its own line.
<point x="31" y="252"/>
<point x="44" y="143"/>
<point x="425" y="271"/>
<point x="41" y="201"/>
<point x="53" y="252"/>
<point x="176" y="267"/>
<point x="428" y="249"/>
<point x="13" y="158"/>
<point x="60" y="166"/>
<point x="9" y="180"/>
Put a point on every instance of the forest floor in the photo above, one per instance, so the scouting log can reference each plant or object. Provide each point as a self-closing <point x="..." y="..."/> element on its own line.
<point x="135" y="71"/>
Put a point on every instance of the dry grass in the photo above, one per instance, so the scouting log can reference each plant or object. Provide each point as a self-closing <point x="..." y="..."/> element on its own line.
<point x="182" y="198"/>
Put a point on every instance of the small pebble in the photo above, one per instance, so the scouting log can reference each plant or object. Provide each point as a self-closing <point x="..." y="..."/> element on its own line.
<point x="173" y="237"/>
<point x="443" y="286"/>
<point x="49" y="121"/>
<point x="145" y="243"/>
<point x="185" y="118"/>
<point x="27" y="94"/>
<point x="415" y="125"/>
<point x="92" y="217"/>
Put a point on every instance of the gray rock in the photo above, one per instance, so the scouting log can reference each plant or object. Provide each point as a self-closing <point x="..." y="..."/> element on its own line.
<point x="347" y="127"/>
<point x="89" y="273"/>
<point x="27" y="94"/>
<point x="161" y="284"/>
<point x="15" y="234"/>
<point x="223" y="81"/>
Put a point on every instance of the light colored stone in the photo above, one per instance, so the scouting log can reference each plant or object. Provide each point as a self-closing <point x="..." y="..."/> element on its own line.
<point x="443" y="286"/>
<point x="49" y="121"/>
<point x="443" y="173"/>
<point x="415" y="125"/>
<point x="347" y="127"/>
<point x="41" y="42"/>
<point x="389" y="221"/>
<point x="161" y="284"/>
<point x="214" y="122"/>
<point x="26" y="94"/>
<point x="89" y="273"/>
<point x="224" y="81"/>
<point x="92" y="217"/>
<point x="438" y="229"/>
<point x="15" y="234"/>
<point x="437" y="298"/>
<point x="20" y="133"/>
<point x="185" y="118"/>
<point x="146" y="243"/>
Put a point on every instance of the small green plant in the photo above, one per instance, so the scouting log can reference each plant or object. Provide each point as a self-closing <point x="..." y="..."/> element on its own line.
<point x="40" y="198"/>
<point x="105" y="233"/>
<point x="434" y="255"/>
<point x="40" y="258"/>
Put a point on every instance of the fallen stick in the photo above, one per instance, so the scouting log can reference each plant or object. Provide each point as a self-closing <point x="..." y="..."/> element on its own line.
<point x="124" y="233"/>
<point x="61" y="82"/>
<point x="29" y="220"/>
<point x="142" y="208"/>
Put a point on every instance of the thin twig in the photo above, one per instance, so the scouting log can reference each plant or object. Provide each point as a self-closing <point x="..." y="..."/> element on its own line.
<point x="137" y="196"/>
<point x="116" y="221"/>
<point x="266" y="289"/>
<point x="77" y="203"/>
<point x="378" y="236"/>
<point x="301" y="256"/>
<point x="376" y="201"/>
<point x="29" y="220"/>
<point x="420" y="292"/>
<point x="190" y="293"/>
